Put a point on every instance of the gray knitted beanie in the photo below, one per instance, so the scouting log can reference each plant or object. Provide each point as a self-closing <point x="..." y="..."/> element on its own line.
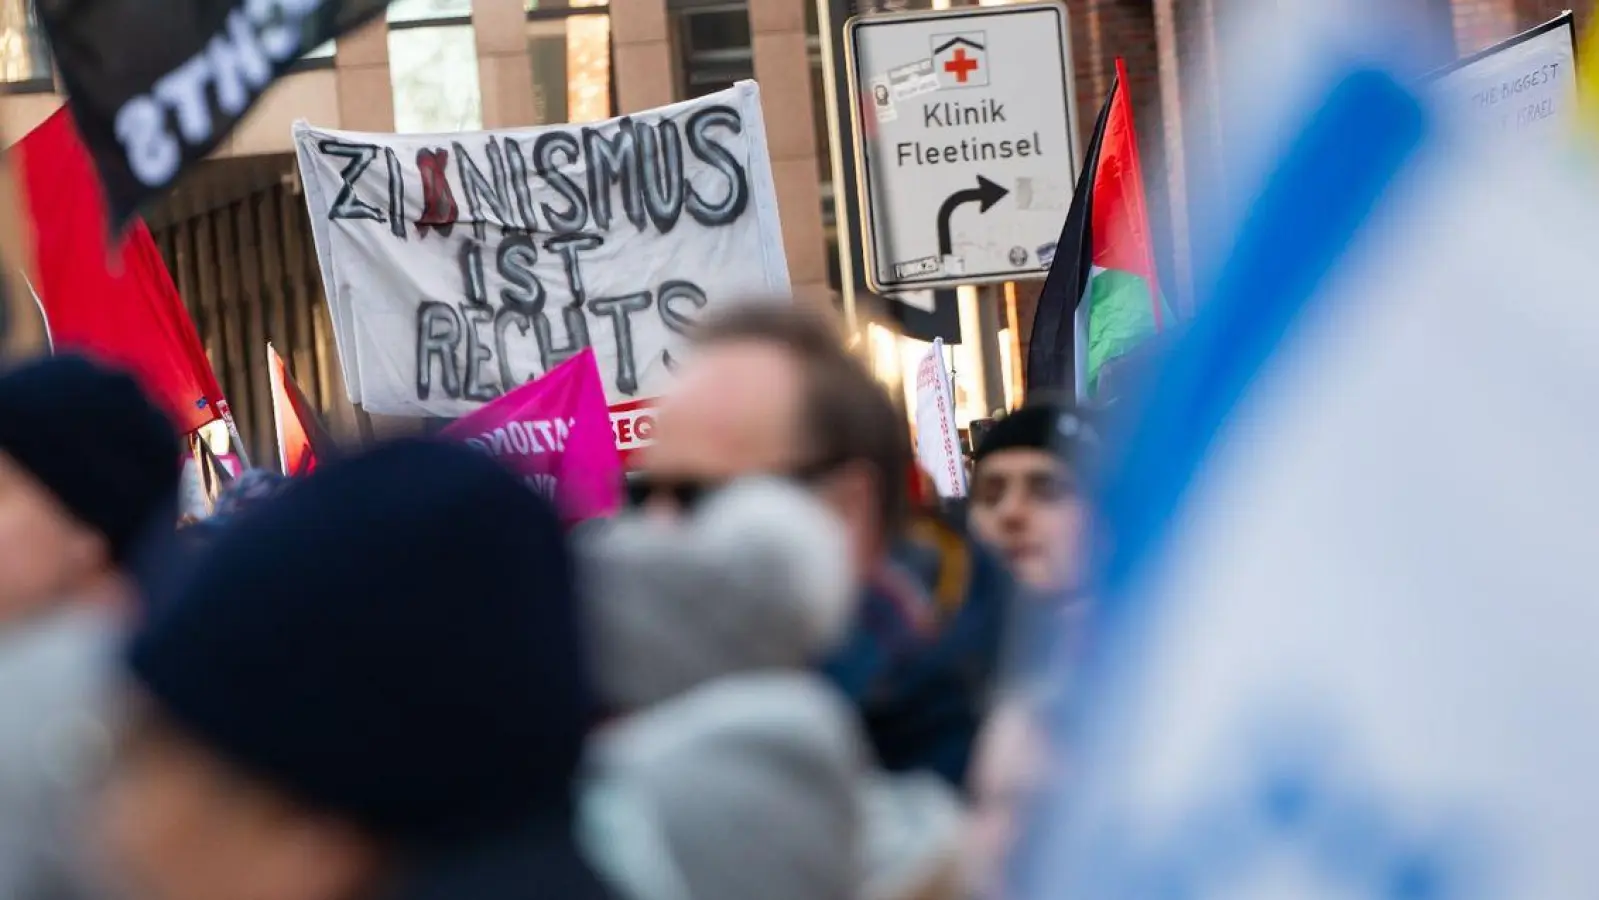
<point x="758" y="579"/>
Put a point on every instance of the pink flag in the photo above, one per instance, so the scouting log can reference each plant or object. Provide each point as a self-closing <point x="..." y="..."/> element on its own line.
<point x="556" y="434"/>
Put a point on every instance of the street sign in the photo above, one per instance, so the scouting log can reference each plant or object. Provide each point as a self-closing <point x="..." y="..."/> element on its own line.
<point x="965" y="135"/>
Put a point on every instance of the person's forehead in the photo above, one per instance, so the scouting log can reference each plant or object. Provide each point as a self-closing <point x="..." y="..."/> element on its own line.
<point x="19" y="483"/>
<point x="1020" y="463"/>
<point x="734" y="407"/>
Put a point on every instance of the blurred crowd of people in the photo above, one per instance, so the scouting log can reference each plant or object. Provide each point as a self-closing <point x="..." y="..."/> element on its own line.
<point x="780" y="673"/>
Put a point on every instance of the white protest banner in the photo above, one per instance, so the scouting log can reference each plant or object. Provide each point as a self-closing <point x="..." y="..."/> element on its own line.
<point x="937" y="440"/>
<point x="460" y="266"/>
<point x="1524" y="88"/>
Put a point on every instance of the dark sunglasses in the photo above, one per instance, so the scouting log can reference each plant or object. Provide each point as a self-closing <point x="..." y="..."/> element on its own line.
<point x="688" y="493"/>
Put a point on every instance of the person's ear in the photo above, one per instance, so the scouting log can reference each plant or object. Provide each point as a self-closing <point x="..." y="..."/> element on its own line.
<point x="852" y="491"/>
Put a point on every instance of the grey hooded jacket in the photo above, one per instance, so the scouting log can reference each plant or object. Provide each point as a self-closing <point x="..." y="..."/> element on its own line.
<point x="53" y="734"/>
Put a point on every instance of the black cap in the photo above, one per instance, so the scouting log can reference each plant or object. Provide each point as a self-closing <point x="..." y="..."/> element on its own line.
<point x="1061" y="429"/>
<point x="393" y="640"/>
<point x="92" y="437"/>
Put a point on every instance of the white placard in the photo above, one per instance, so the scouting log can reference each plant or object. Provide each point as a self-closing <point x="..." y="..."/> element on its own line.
<point x="938" y="442"/>
<point x="1524" y="89"/>
<point x="459" y="266"/>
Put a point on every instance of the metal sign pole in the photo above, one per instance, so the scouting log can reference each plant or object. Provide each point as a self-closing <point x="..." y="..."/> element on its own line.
<point x="830" y="16"/>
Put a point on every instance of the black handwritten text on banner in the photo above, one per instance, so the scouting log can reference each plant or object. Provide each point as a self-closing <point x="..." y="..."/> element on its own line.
<point x="460" y="266"/>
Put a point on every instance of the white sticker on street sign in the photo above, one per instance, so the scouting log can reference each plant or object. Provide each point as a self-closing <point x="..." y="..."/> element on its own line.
<point x="913" y="79"/>
<point x="883" y="100"/>
<point x="974" y="170"/>
<point x="910" y="270"/>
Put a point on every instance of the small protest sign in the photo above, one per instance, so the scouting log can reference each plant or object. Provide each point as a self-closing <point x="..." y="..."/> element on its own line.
<point x="938" y="443"/>
<point x="555" y="434"/>
<point x="459" y="267"/>
<point x="633" y="425"/>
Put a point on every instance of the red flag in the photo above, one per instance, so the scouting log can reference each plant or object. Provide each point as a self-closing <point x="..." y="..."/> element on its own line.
<point x="302" y="440"/>
<point x="118" y="304"/>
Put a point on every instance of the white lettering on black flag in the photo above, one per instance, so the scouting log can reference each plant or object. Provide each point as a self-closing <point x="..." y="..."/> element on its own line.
<point x="155" y="87"/>
<point x="460" y="266"/>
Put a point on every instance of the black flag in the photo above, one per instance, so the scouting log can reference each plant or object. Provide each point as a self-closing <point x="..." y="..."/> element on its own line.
<point x="214" y="476"/>
<point x="155" y="85"/>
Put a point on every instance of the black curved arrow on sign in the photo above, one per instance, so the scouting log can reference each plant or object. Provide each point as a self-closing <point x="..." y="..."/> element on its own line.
<point x="987" y="193"/>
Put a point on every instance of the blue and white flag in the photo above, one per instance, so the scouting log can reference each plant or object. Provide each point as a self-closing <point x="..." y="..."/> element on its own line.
<point x="1349" y="643"/>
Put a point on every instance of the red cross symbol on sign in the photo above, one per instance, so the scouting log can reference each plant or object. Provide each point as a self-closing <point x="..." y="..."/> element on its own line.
<point x="960" y="66"/>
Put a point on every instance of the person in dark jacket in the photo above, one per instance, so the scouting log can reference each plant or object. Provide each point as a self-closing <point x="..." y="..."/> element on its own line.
<point x="925" y="653"/>
<point x="370" y="688"/>
<point x="1030" y="486"/>
<point x="252" y="488"/>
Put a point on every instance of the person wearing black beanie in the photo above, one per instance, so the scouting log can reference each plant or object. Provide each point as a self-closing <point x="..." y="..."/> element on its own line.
<point x="1026" y="475"/>
<point x="88" y="467"/>
<point x="371" y="687"/>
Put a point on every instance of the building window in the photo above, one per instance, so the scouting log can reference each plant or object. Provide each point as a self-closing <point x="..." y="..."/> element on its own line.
<point x="24" y="54"/>
<point x="433" y="67"/>
<point x="413" y="11"/>
<point x="547" y="8"/>
<point x="569" y="46"/>
<point x="715" y="45"/>
<point x="715" y="42"/>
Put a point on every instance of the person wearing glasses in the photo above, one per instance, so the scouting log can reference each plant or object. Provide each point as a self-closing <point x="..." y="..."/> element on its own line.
<point x="771" y="390"/>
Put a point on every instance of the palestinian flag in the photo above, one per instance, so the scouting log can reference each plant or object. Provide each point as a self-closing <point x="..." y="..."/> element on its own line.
<point x="302" y="440"/>
<point x="1101" y="298"/>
